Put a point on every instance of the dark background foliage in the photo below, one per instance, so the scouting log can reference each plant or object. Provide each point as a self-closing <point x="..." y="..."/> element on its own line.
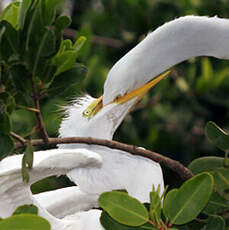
<point x="171" y="118"/>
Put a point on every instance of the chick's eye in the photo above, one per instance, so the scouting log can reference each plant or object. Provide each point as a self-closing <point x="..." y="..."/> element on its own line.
<point x="86" y="113"/>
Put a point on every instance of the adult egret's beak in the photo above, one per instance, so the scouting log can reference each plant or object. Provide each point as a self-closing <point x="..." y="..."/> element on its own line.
<point x="138" y="93"/>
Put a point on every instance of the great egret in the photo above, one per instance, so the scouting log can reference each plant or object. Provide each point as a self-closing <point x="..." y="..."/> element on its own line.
<point x="128" y="80"/>
<point x="14" y="192"/>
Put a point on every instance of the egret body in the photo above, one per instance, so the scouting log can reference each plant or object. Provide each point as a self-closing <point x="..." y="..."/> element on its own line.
<point x="127" y="81"/>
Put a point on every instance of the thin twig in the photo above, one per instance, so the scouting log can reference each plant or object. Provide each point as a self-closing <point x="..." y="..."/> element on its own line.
<point x="176" y="166"/>
<point x="18" y="138"/>
<point x="43" y="131"/>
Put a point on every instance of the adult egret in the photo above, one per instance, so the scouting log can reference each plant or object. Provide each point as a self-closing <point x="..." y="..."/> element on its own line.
<point x="128" y="80"/>
<point x="14" y="192"/>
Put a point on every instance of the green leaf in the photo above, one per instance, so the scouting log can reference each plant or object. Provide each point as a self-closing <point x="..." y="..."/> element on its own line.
<point x="214" y="223"/>
<point x="110" y="224"/>
<point x="65" y="62"/>
<point x="10" y="14"/>
<point x="206" y="164"/>
<point x="70" y="77"/>
<point x="26" y="209"/>
<point x="123" y="208"/>
<point x="49" y="10"/>
<point x="62" y="22"/>
<point x="27" y="162"/>
<point x="45" y="48"/>
<point x="168" y="201"/>
<point x="28" y="156"/>
<point x="216" y="205"/>
<point x="221" y="179"/>
<point x="24" y="171"/>
<point x="34" y="29"/>
<point x="10" y="41"/>
<point x="10" y="104"/>
<point x="20" y="77"/>
<point x="6" y="145"/>
<point x="23" y="9"/>
<point x="24" y="222"/>
<point x="79" y="43"/>
<point x="155" y="205"/>
<point x="190" y="199"/>
<point x="219" y="137"/>
<point x="5" y="124"/>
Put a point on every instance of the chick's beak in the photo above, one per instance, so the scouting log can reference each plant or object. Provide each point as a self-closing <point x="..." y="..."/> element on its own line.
<point x="138" y="93"/>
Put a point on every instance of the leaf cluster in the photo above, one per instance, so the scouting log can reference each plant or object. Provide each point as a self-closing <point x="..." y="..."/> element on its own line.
<point x="35" y="60"/>
<point x="178" y="209"/>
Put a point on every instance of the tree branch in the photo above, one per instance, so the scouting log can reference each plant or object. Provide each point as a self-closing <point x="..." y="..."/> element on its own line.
<point x="71" y="33"/>
<point x="176" y="166"/>
<point x="18" y="138"/>
<point x="35" y="96"/>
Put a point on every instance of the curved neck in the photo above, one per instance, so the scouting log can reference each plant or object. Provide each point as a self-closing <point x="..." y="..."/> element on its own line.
<point x="170" y="44"/>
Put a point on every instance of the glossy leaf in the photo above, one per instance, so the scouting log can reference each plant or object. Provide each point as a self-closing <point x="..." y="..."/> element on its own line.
<point x="79" y="43"/>
<point x="221" y="178"/>
<point x="6" y="145"/>
<point x="71" y="78"/>
<point x="20" y="77"/>
<point x="186" y="203"/>
<point x="45" y="48"/>
<point x="62" y="22"/>
<point x="169" y="201"/>
<point x="24" y="222"/>
<point x="5" y="124"/>
<point x="214" y="223"/>
<point x="65" y="62"/>
<point x="10" y="41"/>
<point x="216" y="205"/>
<point x="28" y="156"/>
<point x="24" y="171"/>
<point x="34" y="29"/>
<point x="10" y="14"/>
<point x="206" y="164"/>
<point x="23" y="9"/>
<point x="110" y="224"/>
<point x="49" y="11"/>
<point x="26" y="209"/>
<point x="218" y="136"/>
<point x="10" y="104"/>
<point x="123" y="208"/>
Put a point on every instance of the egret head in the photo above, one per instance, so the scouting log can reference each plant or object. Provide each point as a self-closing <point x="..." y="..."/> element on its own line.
<point x="89" y="117"/>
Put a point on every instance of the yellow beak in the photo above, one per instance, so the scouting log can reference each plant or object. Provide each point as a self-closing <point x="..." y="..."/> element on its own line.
<point x="140" y="92"/>
<point x="97" y="105"/>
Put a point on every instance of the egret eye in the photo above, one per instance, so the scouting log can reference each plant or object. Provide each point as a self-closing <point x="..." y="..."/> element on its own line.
<point x="86" y="113"/>
<point x="117" y="98"/>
